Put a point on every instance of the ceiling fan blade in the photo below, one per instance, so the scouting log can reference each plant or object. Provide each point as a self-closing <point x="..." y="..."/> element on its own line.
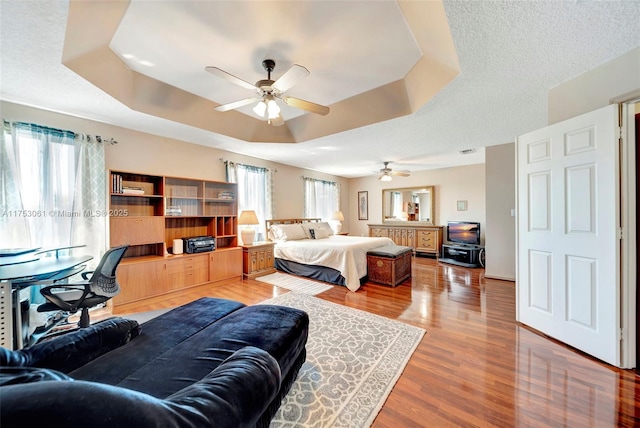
<point x="400" y="173"/>
<point x="306" y="105"/>
<point x="237" y="104"/>
<point x="290" y="77"/>
<point x="230" y="77"/>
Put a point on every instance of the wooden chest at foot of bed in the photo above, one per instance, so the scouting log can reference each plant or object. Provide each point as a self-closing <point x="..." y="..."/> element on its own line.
<point x="389" y="265"/>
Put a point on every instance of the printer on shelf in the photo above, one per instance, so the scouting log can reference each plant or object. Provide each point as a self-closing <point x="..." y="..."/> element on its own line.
<point x="199" y="244"/>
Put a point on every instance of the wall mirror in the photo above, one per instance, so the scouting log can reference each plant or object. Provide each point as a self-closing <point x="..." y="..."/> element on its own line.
<point x="414" y="204"/>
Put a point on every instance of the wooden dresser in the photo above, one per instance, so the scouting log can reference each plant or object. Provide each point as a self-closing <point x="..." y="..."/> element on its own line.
<point x="422" y="238"/>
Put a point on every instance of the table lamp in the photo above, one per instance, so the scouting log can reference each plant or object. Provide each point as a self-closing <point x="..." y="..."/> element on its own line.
<point x="337" y="218"/>
<point x="248" y="218"/>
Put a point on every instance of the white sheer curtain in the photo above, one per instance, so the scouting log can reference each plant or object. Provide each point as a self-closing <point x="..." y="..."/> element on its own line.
<point x="255" y="192"/>
<point x="52" y="190"/>
<point x="321" y="198"/>
<point x="397" y="207"/>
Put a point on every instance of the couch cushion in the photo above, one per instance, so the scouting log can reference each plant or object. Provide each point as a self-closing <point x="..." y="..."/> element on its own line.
<point x="233" y="396"/>
<point x="159" y="335"/>
<point x="281" y="331"/>
<point x="71" y="350"/>
<point x="18" y="375"/>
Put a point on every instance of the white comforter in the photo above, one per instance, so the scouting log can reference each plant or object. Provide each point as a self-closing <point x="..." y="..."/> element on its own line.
<point x="347" y="254"/>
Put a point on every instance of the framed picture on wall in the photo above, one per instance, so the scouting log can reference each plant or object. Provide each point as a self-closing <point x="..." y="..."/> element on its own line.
<point x="462" y="205"/>
<point x="363" y="205"/>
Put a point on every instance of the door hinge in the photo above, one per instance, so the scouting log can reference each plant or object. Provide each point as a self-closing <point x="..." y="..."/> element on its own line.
<point x="619" y="233"/>
<point x="621" y="333"/>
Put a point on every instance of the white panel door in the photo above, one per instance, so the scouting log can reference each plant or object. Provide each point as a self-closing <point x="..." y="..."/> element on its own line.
<point x="568" y="277"/>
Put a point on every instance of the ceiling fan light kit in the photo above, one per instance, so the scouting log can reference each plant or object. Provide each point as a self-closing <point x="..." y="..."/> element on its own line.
<point x="269" y="91"/>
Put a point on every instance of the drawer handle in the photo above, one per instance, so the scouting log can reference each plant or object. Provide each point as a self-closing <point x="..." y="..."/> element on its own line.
<point x="138" y="220"/>
<point x="379" y="263"/>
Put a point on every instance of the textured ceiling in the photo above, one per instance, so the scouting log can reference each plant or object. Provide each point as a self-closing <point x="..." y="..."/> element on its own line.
<point x="510" y="54"/>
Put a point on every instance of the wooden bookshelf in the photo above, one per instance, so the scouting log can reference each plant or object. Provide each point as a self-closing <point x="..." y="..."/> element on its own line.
<point x="147" y="212"/>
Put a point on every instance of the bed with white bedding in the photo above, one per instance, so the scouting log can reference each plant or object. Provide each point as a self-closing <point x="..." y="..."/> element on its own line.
<point x="308" y="248"/>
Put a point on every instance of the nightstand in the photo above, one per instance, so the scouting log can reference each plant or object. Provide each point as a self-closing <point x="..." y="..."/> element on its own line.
<point x="257" y="259"/>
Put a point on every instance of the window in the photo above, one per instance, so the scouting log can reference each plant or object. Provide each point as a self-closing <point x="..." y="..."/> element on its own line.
<point x="321" y="198"/>
<point x="52" y="189"/>
<point x="255" y="185"/>
<point x="396" y="205"/>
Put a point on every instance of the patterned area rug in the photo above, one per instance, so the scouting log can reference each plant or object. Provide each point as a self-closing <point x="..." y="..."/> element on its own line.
<point x="354" y="359"/>
<point x="295" y="283"/>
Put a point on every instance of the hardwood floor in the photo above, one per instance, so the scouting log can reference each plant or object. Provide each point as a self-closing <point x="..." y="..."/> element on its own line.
<point x="476" y="366"/>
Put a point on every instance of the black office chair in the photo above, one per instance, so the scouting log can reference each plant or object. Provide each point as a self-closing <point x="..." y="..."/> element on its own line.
<point x="101" y="287"/>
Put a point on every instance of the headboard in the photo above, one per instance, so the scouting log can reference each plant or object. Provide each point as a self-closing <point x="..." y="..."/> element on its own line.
<point x="291" y="221"/>
<point x="271" y="222"/>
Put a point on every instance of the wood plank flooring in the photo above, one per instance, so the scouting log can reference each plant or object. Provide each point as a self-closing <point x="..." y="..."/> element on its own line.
<point x="476" y="366"/>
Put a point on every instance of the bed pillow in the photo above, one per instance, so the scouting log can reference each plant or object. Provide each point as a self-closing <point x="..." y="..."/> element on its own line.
<point x="308" y="227"/>
<point x="321" y="233"/>
<point x="288" y="232"/>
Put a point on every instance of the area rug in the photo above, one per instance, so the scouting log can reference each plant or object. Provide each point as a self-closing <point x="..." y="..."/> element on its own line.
<point x="146" y="316"/>
<point x="295" y="283"/>
<point x="354" y="359"/>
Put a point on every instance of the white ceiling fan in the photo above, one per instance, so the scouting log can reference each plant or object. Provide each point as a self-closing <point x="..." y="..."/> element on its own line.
<point x="387" y="173"/>
<point x="268" y="91"/>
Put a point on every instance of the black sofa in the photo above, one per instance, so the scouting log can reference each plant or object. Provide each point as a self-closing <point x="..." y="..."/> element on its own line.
<point x="212" y="362"/>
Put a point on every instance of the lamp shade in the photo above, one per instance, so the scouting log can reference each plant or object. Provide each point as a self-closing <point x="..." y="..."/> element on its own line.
<point x="248" y="217"/>
<point x="336" y="219"/>
<point x="337" y="215"/>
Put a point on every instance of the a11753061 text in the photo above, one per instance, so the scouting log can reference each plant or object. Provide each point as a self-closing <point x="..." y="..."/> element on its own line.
<point x="64" y="213"/>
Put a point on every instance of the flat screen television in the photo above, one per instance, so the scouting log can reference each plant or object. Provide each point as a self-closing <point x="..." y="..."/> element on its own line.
<point x="463" y="232"/>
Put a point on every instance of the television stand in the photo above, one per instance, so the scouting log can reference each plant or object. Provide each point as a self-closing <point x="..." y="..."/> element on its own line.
<point x="471" y="256"/>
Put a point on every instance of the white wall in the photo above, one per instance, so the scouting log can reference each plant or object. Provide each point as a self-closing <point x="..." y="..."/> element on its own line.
<point x="595" y="88"/>
<point x="451" y="185"/>
<point x="500" y="244"/>
<point x="151" y="154"/>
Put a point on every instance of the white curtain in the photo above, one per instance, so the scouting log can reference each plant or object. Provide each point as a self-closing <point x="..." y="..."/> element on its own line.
<point x="255" y="192"/>
<point x="52" y="190"/>
<point x="396" y="204"/>
<point x="321" y="198"/>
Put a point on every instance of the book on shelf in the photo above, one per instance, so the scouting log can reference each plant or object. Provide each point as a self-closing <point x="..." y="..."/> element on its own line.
<point x="226" y="194"/>
<point x="132" y="190"/>
<point x="116" y="183"/>
<point x="173" y="210"/>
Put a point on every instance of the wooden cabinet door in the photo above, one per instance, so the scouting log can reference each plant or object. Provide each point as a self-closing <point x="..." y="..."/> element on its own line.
<point x="136" y="230"/>
<point x="137" y="281"/>
<point x="224" y="264"/>
<point x="262" y="259"/>
<point x="252" y="261"/>
<point x="268" y="257"/>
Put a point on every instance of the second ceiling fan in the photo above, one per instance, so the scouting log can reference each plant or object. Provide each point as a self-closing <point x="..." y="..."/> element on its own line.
<point x="268" y="91"/>
<point x="386" y="173"/>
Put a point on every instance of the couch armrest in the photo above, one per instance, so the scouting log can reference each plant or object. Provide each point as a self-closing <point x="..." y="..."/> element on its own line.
<point x="71" y="350"/>
<point x="233" y="395"/>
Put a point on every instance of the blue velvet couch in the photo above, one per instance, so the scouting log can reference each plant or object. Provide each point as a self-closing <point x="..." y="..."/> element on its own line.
<point x="210" y="363"/>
